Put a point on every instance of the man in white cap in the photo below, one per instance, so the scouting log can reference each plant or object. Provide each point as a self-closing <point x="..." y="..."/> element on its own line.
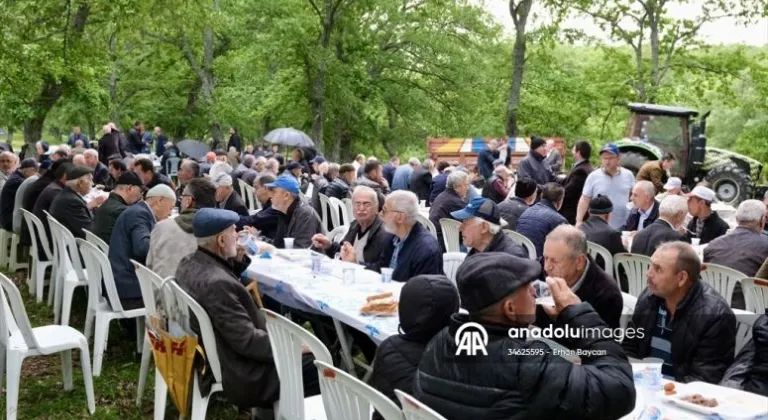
<point x="130" y="240"/>
<point x="706" y="224"/>
<point x="226" y="197"/>
<point x="674" y="186"/>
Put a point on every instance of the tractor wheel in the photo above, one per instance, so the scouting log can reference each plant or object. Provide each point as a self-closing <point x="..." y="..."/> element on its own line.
<point x="730" y="184"/>
<point x="633" y="161"/>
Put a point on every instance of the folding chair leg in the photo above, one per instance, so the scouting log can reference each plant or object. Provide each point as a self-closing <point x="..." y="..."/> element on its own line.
<point x="52" y="285"/>
<point x="140" y="334"/>
<point x="66" y="302"/>
<point x="199" y="402"/>
<point x="85" y="363"/>
<point x="161" y="396"/>
<point x="12" y="385"/>
<point x="100" y="343"/>
<point x="66" y="369"/>
<point x="90" y="318"/>
<point x="146" y="354"/>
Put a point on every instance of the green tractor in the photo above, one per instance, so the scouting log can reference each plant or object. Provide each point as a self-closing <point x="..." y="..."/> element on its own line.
<point x="653" y="130"/>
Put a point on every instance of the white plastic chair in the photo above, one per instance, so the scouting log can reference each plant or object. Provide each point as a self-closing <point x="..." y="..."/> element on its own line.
<point x="524" y="242"/>
<point x="92" y="238"/>
<point x="350" y="206"/>
<point x="635" y="266"/>
<point x="37" y="272"/>
<point x="337" y="234"/>
<point x="172" y="166"/>
<point x="722" y="278"/>
<point x="451" y="232"/>
<point x="596" y="250"/>
<point x="427" y="224"/>
<point x="348" y="398"/>
<point x="451" y="263"/>
<point x="342" y="208"/>
<point x="18" y="340"/>
<point x="250" y="195"/>
<point x="150" y="282"/>
<point x="286" y="339"/>
<point x="241" y="186"/>
<point x="5" y="247"/>
<point x="103" y="310"/>
<point x="9" y="253"/>
<point x="70" y="273"/>
<point x="628" y="309"/>
<point x="324" y="206"/>
<point x="414" y="409"/>
<point x="745" y="320"/>
<point x="335" y="206"/>
<point x="755" y="294"/>
<point x="310" y="190"/>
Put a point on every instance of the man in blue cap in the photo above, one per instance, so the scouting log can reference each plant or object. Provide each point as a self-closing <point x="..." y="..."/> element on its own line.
<point x="211" y="276"/>
<point x="481" y="229"/>
<point x="612" y="181"/>
<point x="300" y="221"/>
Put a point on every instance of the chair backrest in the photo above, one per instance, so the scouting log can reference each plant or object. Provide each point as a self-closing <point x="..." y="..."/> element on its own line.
<point x="745" y="320"/>
<point x="722" y="278"/>
<point x="344" y="214"/>
<point x="149" y="283"/>
<point x="755" y="294"/>
<point x="14" y="317"/>
<point x="414" y="409"/>
<point x="99" y="271"/>
<point x="92" y="238"/>
<point x="286" y="339"/>
<point x="348" y="398"/>
<point x="250" y="193"/>
<point x="451" y="263"/>
<point x="337" y="234"/>
<point x="350" y="206"/>
<point x="38" y="235"/>
<point x="324" y="206"/>
<point x="628" y="308"/>
<point x="427" y="224"/>
<point x="241" y="186"/>
<point x="334" y="206"/>
<point x="172" y="166"/>
<point x="66" y="247"/>
<point x="450" y="230"/>
<point x="524" y="242"/>
<point x="635" y="266"/>
<point x="601" y="255"/>
<point x="206" y="328"/>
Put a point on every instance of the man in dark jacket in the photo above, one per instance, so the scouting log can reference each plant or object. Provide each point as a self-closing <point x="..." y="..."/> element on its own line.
<point x="234" y="140"/>
<point x="672" y="213"/>
<point x="388" y="171"/>
<point x="414" y="250"/>
<point x="341" y="187"/>
<point x="646" y="209"/>
<point x="566" y="257"/>
<point x="487" y="156"/>
<point x="450" y="200"/>
<point x="497" y="188"/>
<point x="110" y="144"/>
<point x="533" y="165"/>
<point x="128" y="191"/>
<point x="597" y="229"/>
<point x="541" y="218"/>
<point x="439" y="181"/>
<point x="27" y="168"/>
<point x="69" y="206"/>
<point x="100" y="171"/>
<point x="136" y="138"/>
<point x="130" y="241"/>
<point x="299" y="220"/>
<point x="46" y="197"/>
<point x="226" y="197"/>
<point x="267" y="218"/>
<point x="421" y="180"/>
<point x="480" y="228"/>
<point x="426" y="305"/>
<point x="372" y="178"/>
<point x="749" y="372"/>
<point x="512" y="208"/>
<point x="574" y="182"/>
<point x="145" y="169"/>
<point x="706" y="224"/>
<point x="687" y="323"/>
<point x="510" y="377"/>
<point x="211" y="276"/>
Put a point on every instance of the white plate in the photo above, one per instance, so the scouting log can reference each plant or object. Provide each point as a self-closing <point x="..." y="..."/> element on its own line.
<point x="731" y="403"/>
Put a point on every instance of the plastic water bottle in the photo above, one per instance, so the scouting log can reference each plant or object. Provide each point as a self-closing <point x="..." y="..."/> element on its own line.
<point x="248" y="242"/>
<point x="651" y="386"/>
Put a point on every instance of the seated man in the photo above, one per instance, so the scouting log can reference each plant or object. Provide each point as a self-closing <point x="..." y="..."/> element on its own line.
<point x="513" y="207"/>
<point x="745" y="249"/>
<point x="449" y="201"/>
<point x="265" y="220"/>
<point x="145" y="169"/>
<point x="541" y="218"/>
<point x="666" y="228"/>
<point x="172" y="239"/>
<point x="512" y="377"/>
<point x="646" y="209"/>
<point x="69" y="206"/>
<point x="127" y="192"/>
<point x="497" y="188"/>
<point x="298" y="219"/>
<point x="27" y="169"/>
<point x="226" y="197"/>
<point x="366" y="234"/>
<point x="686" y="321"/>
<point x="706" y="224"/>
<point x="597" y="229"/>
<point x="566" y="257"/>
<point x="116" y="168"/>
<point x="211" y="276"/>
<point x="100" y="171"/>
<point x="674" y="186"/>
<point x="481" y="230"/>
<point x="341" y="187"/>
<point x="372" y="177"/>
<point x="749" y="372"/>
<point x="413" y="250"/>
<point x="425" y="308"/>
<point x="130" y="241"/>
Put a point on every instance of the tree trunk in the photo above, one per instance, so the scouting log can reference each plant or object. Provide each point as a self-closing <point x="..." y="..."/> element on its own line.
<point x="391" y="124"/>
<point x="519" y="13"/>
<point x="653" y="22"/>
<point x="189" y="110"/>
<point x="114" y="101"/>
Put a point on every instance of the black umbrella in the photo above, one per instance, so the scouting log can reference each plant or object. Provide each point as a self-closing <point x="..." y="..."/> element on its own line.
<point x="193" y="148"/>
<point x="289" y="137"/>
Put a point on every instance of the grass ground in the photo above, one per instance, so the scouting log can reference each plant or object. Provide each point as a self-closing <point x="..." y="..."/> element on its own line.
<point x="42" y="394"/>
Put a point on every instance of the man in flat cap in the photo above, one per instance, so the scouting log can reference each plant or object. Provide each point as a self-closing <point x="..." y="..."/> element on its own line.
<point x="128" y="190"/>
<point x="504" y="377"/>
<point x="130" y="240"/>
<point x="597" y="229"/>
<point x="300" y="221"/>
<point x="27" y="168"/>
<point x="211" y="276"/>
<point x="70" y="208"/>
<point x="481" y="229"/>
<point x="226" y="197"/>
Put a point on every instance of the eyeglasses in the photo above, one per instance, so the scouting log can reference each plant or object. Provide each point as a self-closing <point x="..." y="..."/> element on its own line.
<point x="363" y="204"/>
<point x="385" y="210"/>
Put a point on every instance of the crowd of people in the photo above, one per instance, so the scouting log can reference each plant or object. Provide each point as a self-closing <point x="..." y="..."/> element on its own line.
<point x="689" y="325"/>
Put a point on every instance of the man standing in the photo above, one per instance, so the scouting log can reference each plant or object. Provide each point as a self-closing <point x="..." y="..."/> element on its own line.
<point x="512" y="208"/>
<point x="234" y="140"/>
<point x="646" y="209"/>
<point x="687" y="323"/>
<point x="100" y="171"/>
<point x="226" y="197"/>
<point x="486" y="157"/>
<point x="69" y="206"/>
<point x="449" y="201"/>
<point x="160" y="141"/>
<point x="77" y="135"/>
<point x="597" y="229"/>
<point x="481" y="229"/>
<point x="497" y="188"/>
<point x="666" y="228"/>
<point x="27" y="168"/>
<point x="541" y="218"/>
<point x="438" y="182"/>
<point x="656" y="171"/>
<point x="136" y="138"/>
<point x="421" y="180"/>
<point x="574" y="182"/>
<point x="128" y="191"/>
<point x="745" y="249"/>
<point x="706" y="224"/>
<point x="554" y="159"/>
<point x="299" y="220"/>
<point x="389" y="169"/>
<point x="533" y="165"/>
<point x="402" y="178"/>
<point x="612" y="181"/>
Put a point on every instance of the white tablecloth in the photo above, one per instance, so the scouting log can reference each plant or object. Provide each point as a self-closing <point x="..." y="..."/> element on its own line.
<point x="292" y="283"/>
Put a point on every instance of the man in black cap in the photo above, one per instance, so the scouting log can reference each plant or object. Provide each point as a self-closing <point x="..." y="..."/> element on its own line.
<point x="27" y="168"/>
<point x="597" y="229"/>
<point x="512" y="208"/>
<point x="70" y="208"/>
<point x="477" y="370"/>
<point x="211" y="276"/>
<point x="481" y="229"/>
<point x="533" y="165"/>
<point x="129" y="190"/>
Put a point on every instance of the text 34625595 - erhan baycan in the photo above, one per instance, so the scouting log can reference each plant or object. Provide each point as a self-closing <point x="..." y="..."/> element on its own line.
<point x="565" y="353"/>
